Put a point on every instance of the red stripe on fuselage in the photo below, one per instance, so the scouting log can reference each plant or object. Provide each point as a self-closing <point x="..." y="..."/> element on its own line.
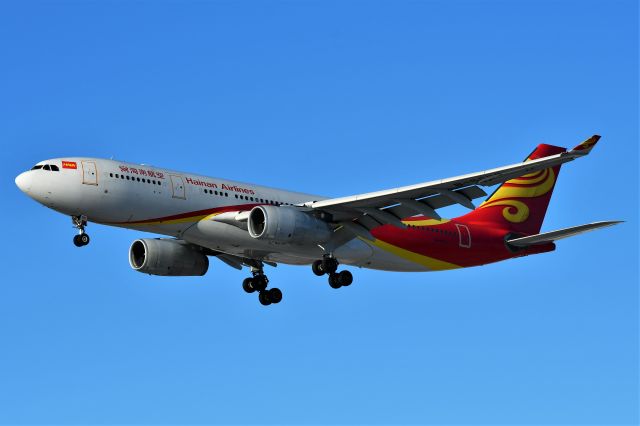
<point x="196" y="213"/>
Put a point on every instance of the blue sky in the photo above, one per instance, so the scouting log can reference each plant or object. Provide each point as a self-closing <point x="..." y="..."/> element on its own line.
<point x="334" y="98"/>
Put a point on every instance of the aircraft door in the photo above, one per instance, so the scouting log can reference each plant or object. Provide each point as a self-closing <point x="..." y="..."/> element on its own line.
<point x="177" y="185"/>
<point x="465" y="235"/>
<point x="89" y="173"/>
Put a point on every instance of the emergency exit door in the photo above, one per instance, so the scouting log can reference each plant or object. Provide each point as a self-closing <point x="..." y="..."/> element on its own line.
<point x="89" y="173"/>
<point x="177" y="186"/>
<point x="465" y="235"/>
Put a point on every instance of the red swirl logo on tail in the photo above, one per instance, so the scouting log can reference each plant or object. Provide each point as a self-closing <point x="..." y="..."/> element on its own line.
<point x="512" y="193"/>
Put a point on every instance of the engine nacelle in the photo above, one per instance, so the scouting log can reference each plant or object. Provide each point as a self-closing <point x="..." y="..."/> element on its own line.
<point x="286" y="225"/>
<point x="167" y="257"/>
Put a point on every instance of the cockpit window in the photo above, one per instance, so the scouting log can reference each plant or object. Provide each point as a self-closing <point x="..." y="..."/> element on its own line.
<point x="48" y="167"/>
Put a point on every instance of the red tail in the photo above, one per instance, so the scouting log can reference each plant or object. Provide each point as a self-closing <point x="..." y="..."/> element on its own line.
<point x="520" y="204"/>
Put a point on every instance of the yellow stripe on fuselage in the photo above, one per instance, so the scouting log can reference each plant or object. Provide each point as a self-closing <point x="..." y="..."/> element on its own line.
<point x="426" y="222"/>
<point x="190" y="219"/>
<point x="430" y="262"/>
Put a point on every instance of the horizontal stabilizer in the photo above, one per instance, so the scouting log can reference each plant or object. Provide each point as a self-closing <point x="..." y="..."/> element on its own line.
<point x="548" y="237"/>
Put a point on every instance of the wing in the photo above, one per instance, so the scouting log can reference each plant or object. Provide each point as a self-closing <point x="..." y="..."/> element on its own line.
<point x="363" y="212"/>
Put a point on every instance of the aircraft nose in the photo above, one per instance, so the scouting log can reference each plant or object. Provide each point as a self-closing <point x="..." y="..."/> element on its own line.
<point x="23" y="181"/>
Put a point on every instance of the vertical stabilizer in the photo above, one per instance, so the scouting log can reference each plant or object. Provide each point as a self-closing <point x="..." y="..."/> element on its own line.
<point x="520" y="204"/>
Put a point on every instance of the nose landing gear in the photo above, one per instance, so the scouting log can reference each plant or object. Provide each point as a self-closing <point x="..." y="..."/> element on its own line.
<point x="329" y="265"/>
<point x="259" y="283"/>
<point x="82" y="238"/>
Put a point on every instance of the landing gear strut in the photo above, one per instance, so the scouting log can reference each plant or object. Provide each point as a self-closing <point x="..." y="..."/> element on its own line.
<point x="259" y="283"/>
<point x="329" y="265"/>
<point x="82" y="238"/>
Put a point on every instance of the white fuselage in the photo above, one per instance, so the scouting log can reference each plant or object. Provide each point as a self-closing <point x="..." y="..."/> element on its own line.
<point x="184" y="206"/>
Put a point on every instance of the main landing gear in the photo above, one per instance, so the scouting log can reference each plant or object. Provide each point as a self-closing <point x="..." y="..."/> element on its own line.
<point x="82" y="238"/>
<point x="329" y="265"/>
<point x="259" y="283"/>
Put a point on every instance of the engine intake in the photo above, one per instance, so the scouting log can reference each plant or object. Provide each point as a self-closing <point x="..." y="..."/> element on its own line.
<point x="287" y="225"/>
<point x="167" y="257"/>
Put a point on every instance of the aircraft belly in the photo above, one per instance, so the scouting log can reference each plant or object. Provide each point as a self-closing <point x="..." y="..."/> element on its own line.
<point x="387" y="261"/>
<point x="232" y="240"/>
<point x="355" y="252"/>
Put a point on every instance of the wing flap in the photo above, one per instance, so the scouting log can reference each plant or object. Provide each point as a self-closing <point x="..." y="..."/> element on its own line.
<point x="428" y="206"/>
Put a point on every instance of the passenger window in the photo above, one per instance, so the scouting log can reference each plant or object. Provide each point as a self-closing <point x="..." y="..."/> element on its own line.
<point x="138" y="179"/>
<point x="110" y="174"/>
<point x="128" y="177"/>
<point x="54" y="168"/>
<point x="251" y="198"/>
<point x="121" y="176"/>
<point x="236" y="195"/>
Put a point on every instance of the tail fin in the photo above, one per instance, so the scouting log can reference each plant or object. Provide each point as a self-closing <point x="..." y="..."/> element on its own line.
<point x="520" y="204"/>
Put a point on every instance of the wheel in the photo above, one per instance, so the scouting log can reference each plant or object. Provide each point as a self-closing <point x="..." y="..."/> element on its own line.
<point x="84" y="239"/>
<point x="334" y="281"/>
<point x="316" y="267"/>
<point x="345" y="278"/>
<point x="76" y="241"/>
<point x="247" y="285"/>
<point x="329" y="265"/>
<point x="260" y="282"/>
<point x="275" y="295"/>
<point x="263" y="297"/>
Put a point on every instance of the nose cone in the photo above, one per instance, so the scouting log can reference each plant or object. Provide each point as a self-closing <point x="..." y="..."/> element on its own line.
<point x="23" y="181"/>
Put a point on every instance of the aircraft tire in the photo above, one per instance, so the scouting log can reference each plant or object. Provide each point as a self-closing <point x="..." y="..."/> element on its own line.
<point x="275" y="295"/>
<point x="259" y="282"/>
<point x="263" y="297"/>
<point x="247" y="285"/>
<point x="76" y="241"/>
<point x="329" y="265"/>
<point x="345" y="278"/>
<point x="316" y="267"/>
<point x="84" y="239"/>
<point x="334" y="281"/>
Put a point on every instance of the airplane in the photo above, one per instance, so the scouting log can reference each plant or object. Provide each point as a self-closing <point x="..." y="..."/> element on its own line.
<point x="247" y="225"/>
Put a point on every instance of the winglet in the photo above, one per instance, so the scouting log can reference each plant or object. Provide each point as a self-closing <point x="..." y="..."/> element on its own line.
<point x="585" y="147"/>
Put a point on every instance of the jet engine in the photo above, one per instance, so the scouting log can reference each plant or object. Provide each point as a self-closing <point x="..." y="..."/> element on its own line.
<point x="167" y="257"/>
<point x="287" y="225"/>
